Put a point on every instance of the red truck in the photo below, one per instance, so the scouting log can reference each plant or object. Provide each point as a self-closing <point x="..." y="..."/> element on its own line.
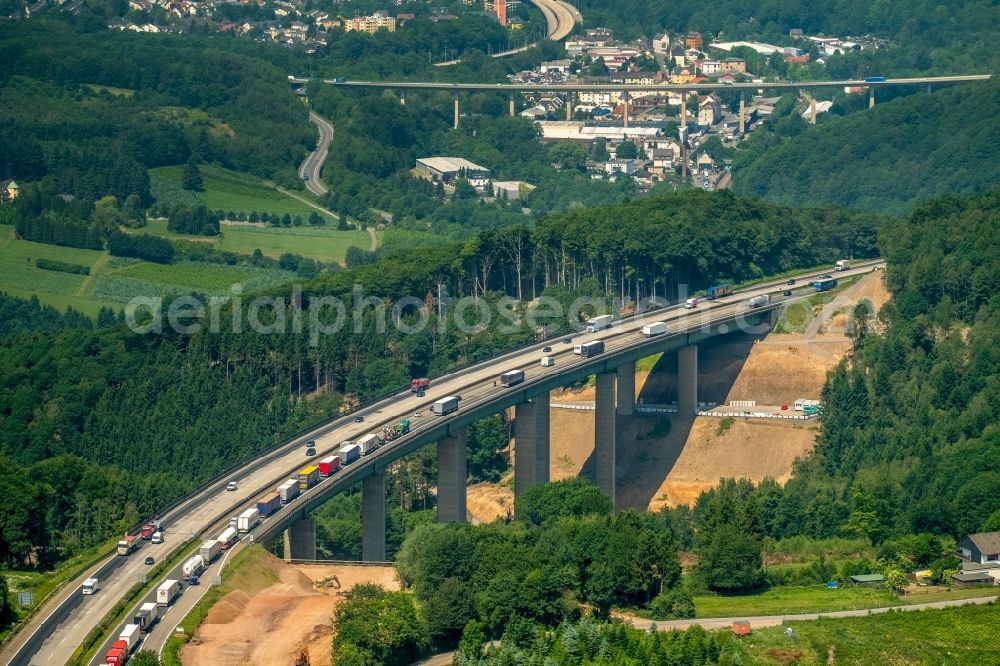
<point x="329" y="465"/>
<point x="118" y="653"/>
<point x="147" y="530"/>
<point x="421" y="384"/>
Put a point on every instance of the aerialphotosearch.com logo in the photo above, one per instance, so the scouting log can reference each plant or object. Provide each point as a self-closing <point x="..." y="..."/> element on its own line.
<point x="326" y="314"/>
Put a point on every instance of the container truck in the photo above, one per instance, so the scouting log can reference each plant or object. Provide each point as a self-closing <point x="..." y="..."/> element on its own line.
<point x="131" y="634"/>
<point x="127" y="544"/>
<point x="594" y="348"/>
<point x="368" y="443"/>
<point x="512" y="378"/>
<point x="90" y="586"/>
<point x="548" y="361"/>
<point x="760" y="301"/>
<point x="599" y="323"/>
<point x="329" y="465"/>
<point x="349" y="453"/>
<point x="194" y="566"/>
<point x="227" y="538"/>
<point x="843" y="265"/>
<point x="146" y="616"/>
<point x="268" y="504"/>
<point x="115" y="656"/>
<point x="308" y="477"/>
<point x="656" y="328"/>
<point x="210" y="550"/>
<point x="288" y="491"/>
<point x="825" y="284"/>
<point x="419" y="384"/>
<point x="248" y="520"/>
<point x="578" y="349"/>
<point x="146" y="531"/>
<point x="718" y="291"/>
<point x="445" y="405"/>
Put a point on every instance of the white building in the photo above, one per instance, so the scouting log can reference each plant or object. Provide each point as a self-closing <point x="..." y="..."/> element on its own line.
<point x="449" y="169"/>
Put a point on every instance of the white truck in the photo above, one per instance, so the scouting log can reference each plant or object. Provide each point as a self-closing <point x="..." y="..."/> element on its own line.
<point x="599" y="323"/>
<point x="760" y="301"/>
<point x="193" y="567"/>
<point x="289" y="490"/>
<point x="209" y="551"/>
<point x="131" y="635"/>
<point x="512" y="378"/>
<point x="548" y="361"/>
<point x="368" y="443"/>
<point x="690" y="303"/>
<point x="146" y="616"/>
<point x="228" y="537"/>
<point x="656" y="328"/>
<point x="167" y="592"/>
<point x="843" y="265"/>
<point x="90" y="586"/>
<point x="445" y="405"/>
<point x="247" y="520"/>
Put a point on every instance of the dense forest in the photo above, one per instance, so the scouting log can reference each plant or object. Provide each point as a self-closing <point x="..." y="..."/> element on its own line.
<point x="885" y="160"/>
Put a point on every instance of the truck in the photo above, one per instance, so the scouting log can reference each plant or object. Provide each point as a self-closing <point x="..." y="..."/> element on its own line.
<point x="117" y="654"/>
<point x="227" y="538"/>
<point x="308" y="477"/>
<point x="760" y="301"/>
<point x="167" y="592"/>
<point x="329" y="465"/>
<point x="210" y="550"/>
<point x="825" y="284"/>
<point x="288" y="491"/>
<point x="349" y="452"/>
<point x="90" y="586"/>
<point x="128" y="544"/>
<point x="594" y="348"/>
<point x="445" y="405"/>
<point x="268" y="504"/>
<point x="718" y="291"/>
<point x="147" y="530"/>
<point x="548" y="361"/>
<point x="599" y="323"/>
<point x="512" y="378"/>
<point x="419" y="384"/>
<point x="146" y="616"/>
<point x="394" y="432"/>
<point x="874" y="79"/>
<point x="248" y="520"/>
<point x="368" y="443"/>
<point x="843" y="265"/>
<point x="193" y="566"/>
<point x="131" y="635"/>
<point x="690" y="303"/>
<point x="656" y="328"/>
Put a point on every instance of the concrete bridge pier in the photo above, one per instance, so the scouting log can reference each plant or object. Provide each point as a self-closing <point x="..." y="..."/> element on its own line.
<point x="605" y="427"/>
<point x="687" y="380"/>
<point x="402" y="96"/>
<point x="510" y="104"/>
<point x="871" y="98"/>
<point x="452" y="476"/>
<point x="455" y="98"/>
<point x="743" y="114"/>
<point x="373" y="517"/>
<point x="300" y="540"/>
<point x="812" y="110"/>
<point x="569" y="106"/>
<point x="531" y="453"/>
<point x="625" y="110"/>
<point x="625" y="382"/>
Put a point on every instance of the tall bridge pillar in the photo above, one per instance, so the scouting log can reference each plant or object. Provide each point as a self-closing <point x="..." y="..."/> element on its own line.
<point x="452" y="475"/>
<point x="687" y="380"/>
<point x="373" y="518"/>
<point x="871" y="97"/>
<point x="812" y="110"/>
<point x="626" y="389"/>
<point x="455" y="97"/>
<point x="402" y="96"/>
<point x="510" y="104"/>
<point x="743" y="114"/>
<point x="625" y="110"/>
<point x="531" y="453"/>
<point x="569" y="106"/>
<point x="604" y="434"/>
<point x="300" y="540"/>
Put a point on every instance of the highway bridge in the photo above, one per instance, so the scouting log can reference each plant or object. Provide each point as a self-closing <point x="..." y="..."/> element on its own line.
<point x="65" y="621"/>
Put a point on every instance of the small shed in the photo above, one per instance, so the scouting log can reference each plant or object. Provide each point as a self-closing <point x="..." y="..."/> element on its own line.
<point x="975" y="579"/>
<point x="868" y="579"/>
<point x="741" y="628"/>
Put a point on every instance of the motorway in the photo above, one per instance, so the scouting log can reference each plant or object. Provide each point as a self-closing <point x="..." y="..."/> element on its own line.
<point x="662" y="87"/>
<point x="560" y="17"/>
<point x="69" y="617"/>
<point x="313" y="164"/>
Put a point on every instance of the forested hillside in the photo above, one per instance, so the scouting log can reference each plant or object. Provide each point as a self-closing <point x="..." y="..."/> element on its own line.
<point x="885" y="159"/>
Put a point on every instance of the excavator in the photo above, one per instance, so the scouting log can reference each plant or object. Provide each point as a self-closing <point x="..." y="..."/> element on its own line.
<point x="301" y="657"/>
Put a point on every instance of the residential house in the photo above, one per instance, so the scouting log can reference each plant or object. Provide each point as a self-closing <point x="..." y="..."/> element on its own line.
<point x="705" y="162"/>
<point x="661" y="44"/>
<point x="693" y="40"/>
<point x="9" y="190"/>
<point x="681" y="75"/>
<point x="734" y="65"/>
<point x="709" y="109"/>
<point x="626" y="166"/>
<point x="370" y="24"/>
<point x="708" y="67"/>
<point x="981" y="548"/>
<point x="678" y="54"/>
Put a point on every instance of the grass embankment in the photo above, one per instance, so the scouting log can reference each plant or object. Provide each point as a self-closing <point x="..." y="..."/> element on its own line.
<point x="249" y="571"/>
<point x="965" y="636"/>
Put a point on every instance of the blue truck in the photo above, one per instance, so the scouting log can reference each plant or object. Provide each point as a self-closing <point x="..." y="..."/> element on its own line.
<point x="719" y="291"/>
<point x="825" y="284"/>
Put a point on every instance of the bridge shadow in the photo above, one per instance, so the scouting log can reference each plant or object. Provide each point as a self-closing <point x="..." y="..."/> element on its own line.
<point x="650" y="445"/>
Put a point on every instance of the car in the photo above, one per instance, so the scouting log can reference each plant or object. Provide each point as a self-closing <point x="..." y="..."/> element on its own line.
<point x="305" y="176"/>
<point x="826" y="276"/>
<point x="359" y="419"/>
<point x="310" y="452"/>
<point x="567" y="341"/>
<point x="231" y="486"/>
<point x="311" y="444"/>
<point x="149" y="560"/>
<point x="790" y="281"/>
<point x="546" y="349"/>
<point x="417" y="414"/>
<point x="421" y="393"/>
<point x="788" y="292"/>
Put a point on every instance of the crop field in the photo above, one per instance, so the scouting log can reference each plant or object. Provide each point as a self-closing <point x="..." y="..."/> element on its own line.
<point x="965" y="636"/>
<point x="226" y="191"/>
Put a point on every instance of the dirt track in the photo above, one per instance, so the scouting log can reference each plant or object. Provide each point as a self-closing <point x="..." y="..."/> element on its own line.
<point x="266" y="627"/>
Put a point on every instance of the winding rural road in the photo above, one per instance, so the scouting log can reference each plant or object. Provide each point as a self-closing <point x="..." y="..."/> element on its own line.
<point x="310" y="169"/>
